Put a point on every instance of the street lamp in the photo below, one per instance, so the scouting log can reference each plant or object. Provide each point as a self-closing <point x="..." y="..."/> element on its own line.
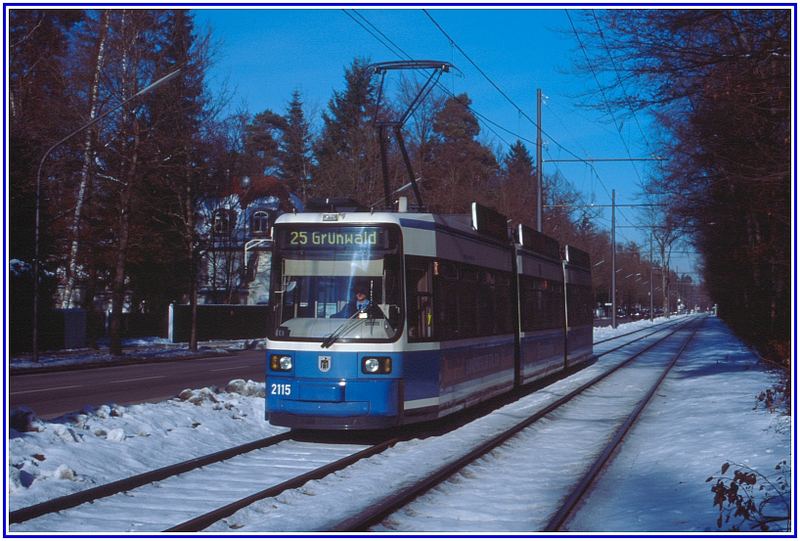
<point x="145" y="90"/>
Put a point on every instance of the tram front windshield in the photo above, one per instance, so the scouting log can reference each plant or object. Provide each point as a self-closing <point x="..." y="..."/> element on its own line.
<point x="336" y="283"/>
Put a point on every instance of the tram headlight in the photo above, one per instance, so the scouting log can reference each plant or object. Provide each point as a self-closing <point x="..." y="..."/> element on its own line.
<point x="376" y="365"/>
<point x="371" y="365"/>
<point x="281" y="363"/>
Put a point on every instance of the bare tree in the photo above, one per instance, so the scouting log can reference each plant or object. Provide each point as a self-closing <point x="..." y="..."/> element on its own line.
<point x="719" y="83"/>
<point x="88" y="155"/>
<point x="666" y="229"/>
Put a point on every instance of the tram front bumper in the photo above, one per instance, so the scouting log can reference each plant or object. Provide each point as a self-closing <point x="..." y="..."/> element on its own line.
<point x="307" y="403"/>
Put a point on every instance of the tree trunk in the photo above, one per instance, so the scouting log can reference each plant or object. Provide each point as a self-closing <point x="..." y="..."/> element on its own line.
<point x="72" y="263"/>
<point x="190" y="235"/>
<point x="118" y="287"/>
<point x="118" y="284"/>
<point x="193" y="303"/>
<point x="91" y="287"/>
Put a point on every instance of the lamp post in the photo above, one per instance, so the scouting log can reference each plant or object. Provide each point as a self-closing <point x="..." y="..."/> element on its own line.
<point x="37" y="212"/>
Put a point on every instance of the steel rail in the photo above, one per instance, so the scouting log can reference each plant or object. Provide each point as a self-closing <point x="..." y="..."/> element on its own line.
<point x="659" y="326"/>
<point x="377" y="511"/>
<point x="662" y="326"/>
<point x="115" y="487"/>
<point x="565" y="512"/>
<point x="203" y="521"/>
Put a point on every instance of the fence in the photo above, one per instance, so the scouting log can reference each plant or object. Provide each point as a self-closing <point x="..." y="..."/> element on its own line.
<point x="77" y="328"/>
<point x="58" y="329"/>
<point x="218" y="321"/>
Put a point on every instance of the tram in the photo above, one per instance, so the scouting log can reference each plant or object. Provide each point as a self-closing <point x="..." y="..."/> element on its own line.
<point x="381" y="319"/>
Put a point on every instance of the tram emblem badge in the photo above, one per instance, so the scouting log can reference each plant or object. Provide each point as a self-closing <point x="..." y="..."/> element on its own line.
<point x="324" y="363"/>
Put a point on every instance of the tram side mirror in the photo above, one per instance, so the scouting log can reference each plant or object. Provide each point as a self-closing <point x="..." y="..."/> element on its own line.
<point x="282" y="332"/>
<point x="394" y="315"/>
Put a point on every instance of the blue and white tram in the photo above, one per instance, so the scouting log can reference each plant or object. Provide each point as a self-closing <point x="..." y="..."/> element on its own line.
<point x="439" y="331"/>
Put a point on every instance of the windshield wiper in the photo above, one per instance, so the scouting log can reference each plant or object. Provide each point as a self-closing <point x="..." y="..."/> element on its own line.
<point x="346" y="326"/>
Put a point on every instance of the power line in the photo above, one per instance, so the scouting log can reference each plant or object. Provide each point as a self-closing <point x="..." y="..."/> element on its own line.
<point x="399" y="52"/>
<point x="391" y="45"/>
<point x="619" y="79"/>
<point x="388" y="45"/>
<point x="602" y="184"/>
<point x="477" y="67"/>
<point x="605" y="101"/>
<point x="520" y="111"/>
<point x="609" y="160"/>
<point x="602" y="90"/>
<point x="502" y="93"/>
<point x="591" y="167"/>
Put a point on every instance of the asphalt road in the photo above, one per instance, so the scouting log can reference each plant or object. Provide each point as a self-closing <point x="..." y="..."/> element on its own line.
<point x="53" y="394"/>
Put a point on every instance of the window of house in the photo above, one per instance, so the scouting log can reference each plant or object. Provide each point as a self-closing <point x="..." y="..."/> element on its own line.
<point x="223" y="221"/>
<point x="260" y="222"/>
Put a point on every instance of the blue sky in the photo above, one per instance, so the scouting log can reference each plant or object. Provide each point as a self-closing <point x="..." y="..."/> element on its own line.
<point x="263" y="54"/>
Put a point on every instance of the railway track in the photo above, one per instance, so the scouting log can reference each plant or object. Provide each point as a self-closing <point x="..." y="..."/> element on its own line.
<point x="272" y="464"/>
<point x="655" y="327"/>
<point x="215" y="486"/>
<point x="378" y="512"/>
<point x="561" y="517"/>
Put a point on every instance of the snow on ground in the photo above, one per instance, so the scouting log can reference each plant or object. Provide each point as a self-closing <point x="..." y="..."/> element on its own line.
<point x="80" y="451"/>
<point x="705" y="415"/>
<point x="528" y="474"/>
<point x="152" y="348"/>
<point x="602" y="333"/>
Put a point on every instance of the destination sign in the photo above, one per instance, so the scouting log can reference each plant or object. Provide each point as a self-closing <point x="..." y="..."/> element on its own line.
<point x="354" y="238"/>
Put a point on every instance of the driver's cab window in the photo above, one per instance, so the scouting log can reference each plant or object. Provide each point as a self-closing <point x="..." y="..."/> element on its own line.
<point x="328" y="297"/>
<point x="325" y="276"/>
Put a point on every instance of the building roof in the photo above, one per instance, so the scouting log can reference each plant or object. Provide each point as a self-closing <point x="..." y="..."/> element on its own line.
<point x="251" y="188"/>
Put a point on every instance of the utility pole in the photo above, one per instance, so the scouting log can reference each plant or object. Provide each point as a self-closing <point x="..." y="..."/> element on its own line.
<point x="651" y="276"/>
<point x="539" y="159"/>
<point x="613" y="260"/>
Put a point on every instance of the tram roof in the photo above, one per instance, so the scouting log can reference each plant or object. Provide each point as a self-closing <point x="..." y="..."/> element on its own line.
<point x="404" y="219"/>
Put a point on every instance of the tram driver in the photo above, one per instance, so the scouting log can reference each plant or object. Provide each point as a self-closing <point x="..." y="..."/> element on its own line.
<point x="360" y="304"/>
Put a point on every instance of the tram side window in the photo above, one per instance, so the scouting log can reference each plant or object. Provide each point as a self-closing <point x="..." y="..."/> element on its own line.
<point x="531" y="303"/>
<point x="448" y="300"/>
<point x="449" y="314"/>
<point x="525" y="302"/>
<point x="541" y="304"/>
<point x="487" y="304"/>
<point x="557" y="303"/>
<point x="419" y="277"/>
<point x="494" y="303"/>
<point x="472" y="301"/>
<point x="579" y="307"/>
<point x="504" y="305"/>
<point x="468" y="297"/>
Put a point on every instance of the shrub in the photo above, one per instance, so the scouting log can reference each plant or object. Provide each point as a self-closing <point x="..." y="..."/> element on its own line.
<point x="751" y="500"/>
